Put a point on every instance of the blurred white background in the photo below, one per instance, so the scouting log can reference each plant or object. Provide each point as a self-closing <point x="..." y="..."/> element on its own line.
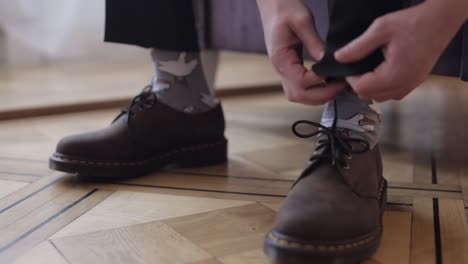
<point x="45" y="31"/>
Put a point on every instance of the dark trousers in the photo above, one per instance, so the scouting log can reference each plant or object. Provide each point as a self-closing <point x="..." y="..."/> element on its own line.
<point x="161" y="24"/>
<point x="170" y="25"/>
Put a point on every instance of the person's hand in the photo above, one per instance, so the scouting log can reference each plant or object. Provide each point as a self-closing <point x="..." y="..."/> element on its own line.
<point x="288" y="26"/>
<point x="412" y="40"/>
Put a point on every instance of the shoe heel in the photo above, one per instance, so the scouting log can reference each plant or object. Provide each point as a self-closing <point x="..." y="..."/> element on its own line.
<point x="212" y="155"/>
<point x="384" y="195"/>
<point x="383" y="202"/>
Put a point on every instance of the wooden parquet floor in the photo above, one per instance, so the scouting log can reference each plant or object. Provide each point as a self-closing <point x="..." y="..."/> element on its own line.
<point x="220" y="214"/>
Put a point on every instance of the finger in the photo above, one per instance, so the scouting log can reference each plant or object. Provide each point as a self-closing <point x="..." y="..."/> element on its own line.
<point x="297" y="75"/>
<point x="320" y="95"/>
<point x="375" y="82"/>
<point x="304" y="28"/>
<point x="311" y="79"/>
<point x="295" y="82"/>
<point x="381" y="97"/>
<point x="287" y="62"/>
<point x="373" y="38"/>
<point x="387" y="96"/>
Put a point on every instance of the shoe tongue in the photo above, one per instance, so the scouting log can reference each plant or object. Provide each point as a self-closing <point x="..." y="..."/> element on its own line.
<point x="347" y="133"/>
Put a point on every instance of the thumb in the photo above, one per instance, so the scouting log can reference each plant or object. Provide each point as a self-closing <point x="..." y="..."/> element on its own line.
<point x="373" y="38"/>
<point x="304" y="28"/>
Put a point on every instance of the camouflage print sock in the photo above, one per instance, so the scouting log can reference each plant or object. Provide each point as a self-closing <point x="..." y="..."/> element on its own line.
<point x="358" y="118"/>
<point x="180" y="83"/>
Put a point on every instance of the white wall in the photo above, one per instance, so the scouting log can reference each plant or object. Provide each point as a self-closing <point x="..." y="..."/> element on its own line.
<point x="44" y="31"/>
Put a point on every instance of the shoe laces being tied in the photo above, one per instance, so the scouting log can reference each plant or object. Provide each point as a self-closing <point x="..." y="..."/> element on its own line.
<point x="143" y="101"/>
<point x="337" y="147"/>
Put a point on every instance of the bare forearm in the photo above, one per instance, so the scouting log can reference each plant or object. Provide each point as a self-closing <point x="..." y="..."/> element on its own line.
<point x="444" y="18"/>
<point x="453" y="11"/>
<point x="270" y="8"/>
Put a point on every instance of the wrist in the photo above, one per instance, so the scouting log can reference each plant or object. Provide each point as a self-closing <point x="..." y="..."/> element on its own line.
<point x="445" y="17"/>
<point x="453" y="10"/>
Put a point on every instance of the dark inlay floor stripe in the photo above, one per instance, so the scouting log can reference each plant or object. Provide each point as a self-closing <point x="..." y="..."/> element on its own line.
<point x="437" y="237"/>
<point x="59" y="251"/>
<point x="292" y="181"/>
<point x="423" y="189"/>
<point x="433" y="168"/>
<point x="12" y="243"/>
<point x="226" y="176"/>
<point x="195" y="189"/>
<point x="28" y="196"/>
<point x="435" y="205"/>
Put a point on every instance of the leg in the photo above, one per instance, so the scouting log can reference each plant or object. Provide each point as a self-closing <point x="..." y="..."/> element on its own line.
<point x="348" y="20"/>
<point x="168" y="27"/>
<point x="333" y="214"/>
<point x="174" y="121"/>
<point x="164" y="25"/>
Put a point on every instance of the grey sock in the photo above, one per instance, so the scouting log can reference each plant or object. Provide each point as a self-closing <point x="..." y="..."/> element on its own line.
<point x="180" y="83"/>
<point x="358" y="118"/>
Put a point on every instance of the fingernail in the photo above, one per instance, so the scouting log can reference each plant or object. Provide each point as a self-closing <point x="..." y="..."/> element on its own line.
<point x="322" y="54"/>
<point x="337" y="54"/>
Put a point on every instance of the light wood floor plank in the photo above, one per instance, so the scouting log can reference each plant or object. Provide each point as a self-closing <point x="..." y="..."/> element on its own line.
<point x="24" y="167"/>
<point x="273" y="206"/>
<point x="464" y="185"/>
<point x="248" y="257"/>
<point x="44" y="253"/>
<point x="426" y="187"/>
<point x="398" y="166"/>
<point x="153" y="242"/>
<point x="424" y="193"/>
<point x="237" y="167"/>
<point x="422" y="242"/>
<point x="8" y="187"/>
<point x="27" y="232"/>
<point x="124" y="208"/>
<point x="35" y="199"/>
<point x="210" y="183"/>
<point x="396" y="240"/>
<point x="274" y="158"/>
<point x="454" y="231"/>
<point x="422" y="168"/>
<point x="186" y="192"/>
<point x="27" y="192"/>
<point x="227" y="232"/>
<point x="448" y="170"/>
<point x="259" y="186"/>
<point x="19" y="177"/>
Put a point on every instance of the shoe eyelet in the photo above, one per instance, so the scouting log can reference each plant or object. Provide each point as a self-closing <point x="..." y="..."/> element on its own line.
<point x="347" y="167"/>
<point x="348" y="156"/>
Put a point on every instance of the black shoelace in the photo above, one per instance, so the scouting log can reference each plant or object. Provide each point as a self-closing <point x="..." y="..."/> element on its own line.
<point x="337" y="148"/>
<point x="143" y="101"/>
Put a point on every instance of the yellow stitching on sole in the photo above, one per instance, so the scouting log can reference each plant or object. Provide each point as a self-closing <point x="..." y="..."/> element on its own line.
<point x="320" y="248"/>
<point x="140" y="163"/>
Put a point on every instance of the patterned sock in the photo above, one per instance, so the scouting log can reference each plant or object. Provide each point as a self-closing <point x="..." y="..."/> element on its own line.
<point x="358" y="118"/>
<point x="180" y="83"/>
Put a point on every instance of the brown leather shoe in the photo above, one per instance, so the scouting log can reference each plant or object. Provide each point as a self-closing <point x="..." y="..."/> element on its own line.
<point x="145" y="137"/>
<point x="333" y="214"/>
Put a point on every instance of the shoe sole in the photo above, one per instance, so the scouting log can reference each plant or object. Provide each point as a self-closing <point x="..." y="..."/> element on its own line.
<point x="284" y="250"/>
<point x="184" y="157"/>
